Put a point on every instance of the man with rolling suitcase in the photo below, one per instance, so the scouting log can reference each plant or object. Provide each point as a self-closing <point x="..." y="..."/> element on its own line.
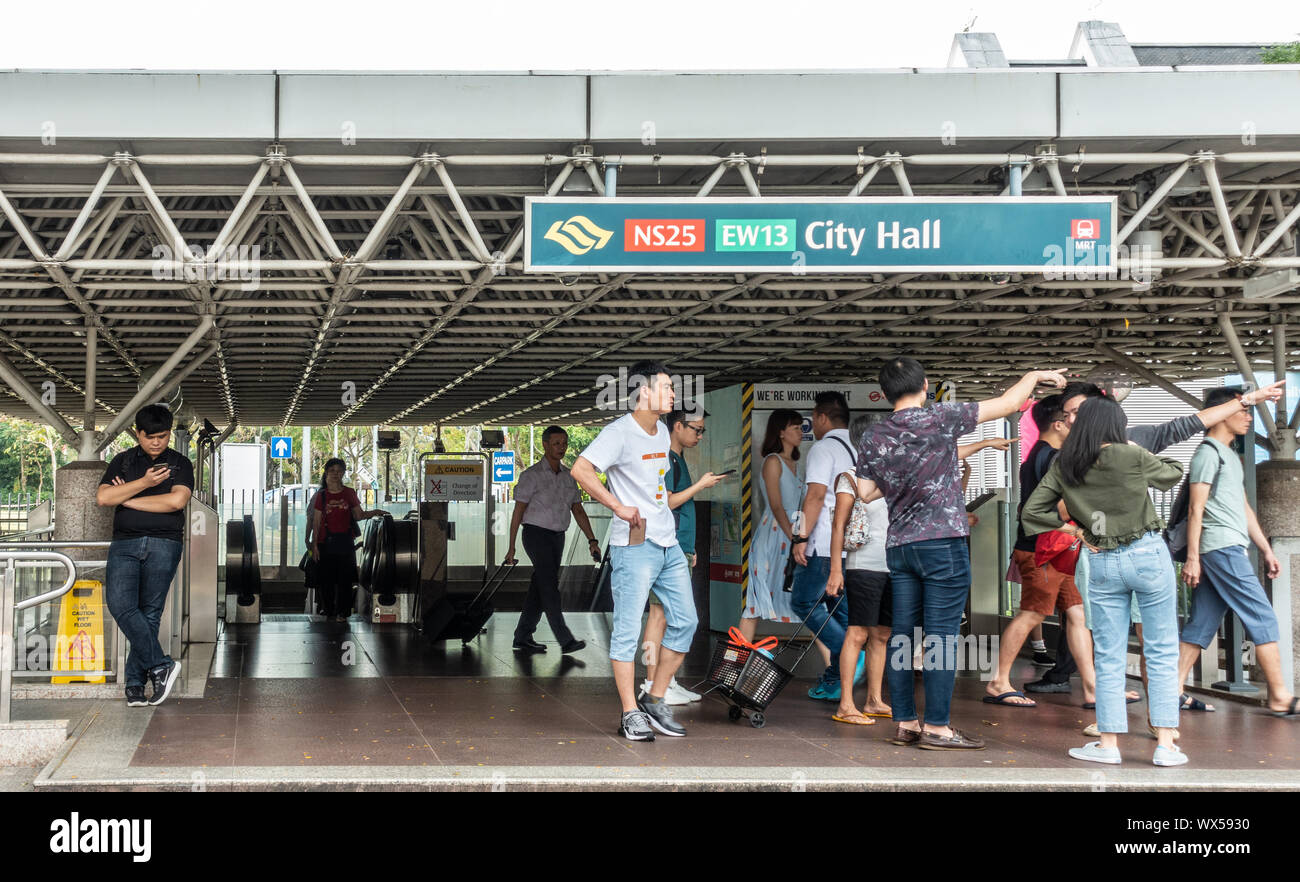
<point x="545" y="498"/>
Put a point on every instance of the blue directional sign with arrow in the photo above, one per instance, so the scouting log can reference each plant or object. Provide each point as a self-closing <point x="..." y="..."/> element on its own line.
<point x="281" y="447"/>
<point x="503" y="467"/>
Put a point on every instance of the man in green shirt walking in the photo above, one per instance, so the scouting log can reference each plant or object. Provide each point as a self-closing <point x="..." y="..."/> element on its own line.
<point x="685" y="429"/>
<point x="1220" y="526"/>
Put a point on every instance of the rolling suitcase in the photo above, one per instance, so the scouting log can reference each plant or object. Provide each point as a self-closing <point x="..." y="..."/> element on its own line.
<point x="450" y="618"/>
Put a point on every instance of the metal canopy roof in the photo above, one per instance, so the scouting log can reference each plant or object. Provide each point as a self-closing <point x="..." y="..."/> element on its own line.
<point x="390" y="289"/>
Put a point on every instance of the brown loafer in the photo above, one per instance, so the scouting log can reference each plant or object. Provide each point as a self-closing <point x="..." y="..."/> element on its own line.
<point x="957" y="741"/>
<point x="904" y="737"/>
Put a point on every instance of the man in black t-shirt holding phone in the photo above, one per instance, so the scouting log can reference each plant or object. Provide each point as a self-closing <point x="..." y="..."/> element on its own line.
<point x="149" y="485"/>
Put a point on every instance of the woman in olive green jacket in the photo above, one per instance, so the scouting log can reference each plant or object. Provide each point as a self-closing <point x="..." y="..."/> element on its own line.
<point x="1103" y="480"/>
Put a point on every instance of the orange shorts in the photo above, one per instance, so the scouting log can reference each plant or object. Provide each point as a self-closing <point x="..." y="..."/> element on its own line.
<point x="1043" y="589"/>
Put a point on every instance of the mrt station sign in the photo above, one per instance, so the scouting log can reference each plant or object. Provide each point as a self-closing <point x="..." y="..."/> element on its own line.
<point x="821" y="235"/>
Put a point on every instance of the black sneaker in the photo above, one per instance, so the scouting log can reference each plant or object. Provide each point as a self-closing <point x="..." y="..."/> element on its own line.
<point x="574" y="645"/>
<point x="635" y="726"/>
<point x="1042" y="659"/>
<point x="661" y="716"/>
<point x="135" y="697"/>
<point x="528" y="646"/>
<point x="163" y="678"/>
<point x="1047" y="686"/>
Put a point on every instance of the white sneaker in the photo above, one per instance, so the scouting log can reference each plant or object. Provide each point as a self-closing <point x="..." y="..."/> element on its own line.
<point x="681" y="691"/>
<point x="670" y="696"/>
<point x="1168" y="756"/>
<point x="1093" y="752"/>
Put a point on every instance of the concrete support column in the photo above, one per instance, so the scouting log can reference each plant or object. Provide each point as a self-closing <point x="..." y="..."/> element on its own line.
<point x="1278" y="492"/>
<point x="78" y="518"/>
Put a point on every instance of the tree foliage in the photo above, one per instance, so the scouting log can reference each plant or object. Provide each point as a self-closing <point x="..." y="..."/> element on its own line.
<point x="1286" y="53"/>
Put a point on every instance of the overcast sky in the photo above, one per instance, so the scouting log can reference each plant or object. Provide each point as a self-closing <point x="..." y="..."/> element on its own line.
<point x="616" y="34"/>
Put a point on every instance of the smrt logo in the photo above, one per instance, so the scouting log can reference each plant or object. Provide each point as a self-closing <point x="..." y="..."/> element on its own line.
<point x="578" y="235"/>
<point x="1085" y="228"/>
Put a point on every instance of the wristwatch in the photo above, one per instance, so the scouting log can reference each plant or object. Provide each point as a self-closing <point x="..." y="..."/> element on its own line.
<point x="795" y="540"/>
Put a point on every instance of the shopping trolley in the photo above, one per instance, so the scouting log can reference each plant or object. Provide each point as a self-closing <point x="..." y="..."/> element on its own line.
<point x="748" y="676"/>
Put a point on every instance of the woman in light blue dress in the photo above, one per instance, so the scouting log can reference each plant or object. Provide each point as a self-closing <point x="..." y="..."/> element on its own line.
<point x="781" y="491"/>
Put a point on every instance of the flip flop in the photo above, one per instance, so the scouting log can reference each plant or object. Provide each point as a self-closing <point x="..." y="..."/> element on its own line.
<point x="1292" y="712"/>
<point x="855" y="720"/>
<point x="1188" y="703"/>
<point x="1002" y="699"/>
<point x="888" y="715"/>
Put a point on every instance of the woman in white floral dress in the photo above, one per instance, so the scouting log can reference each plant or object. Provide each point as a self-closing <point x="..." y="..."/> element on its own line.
<point x="781" y="487"/>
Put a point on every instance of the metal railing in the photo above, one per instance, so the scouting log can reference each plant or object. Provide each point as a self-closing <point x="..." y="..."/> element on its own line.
<point x="10" y="605"/>
<point x="7" y="626"/>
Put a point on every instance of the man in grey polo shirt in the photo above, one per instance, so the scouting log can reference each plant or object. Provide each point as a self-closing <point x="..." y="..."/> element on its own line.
<point x="544" y="497"/>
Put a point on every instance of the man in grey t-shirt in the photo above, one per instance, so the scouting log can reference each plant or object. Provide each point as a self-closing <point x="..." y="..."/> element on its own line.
<point x="1220" y="525"/>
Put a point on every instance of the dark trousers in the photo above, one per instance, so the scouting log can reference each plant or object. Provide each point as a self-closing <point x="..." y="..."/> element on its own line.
<point x="336" y="575"/>
<point x="1065" y="666"/>
<point x="137" y="576"/>
<point x="545" y="548"/>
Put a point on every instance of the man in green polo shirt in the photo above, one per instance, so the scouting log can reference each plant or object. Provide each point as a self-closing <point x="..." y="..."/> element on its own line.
<point x="685" y="429"/>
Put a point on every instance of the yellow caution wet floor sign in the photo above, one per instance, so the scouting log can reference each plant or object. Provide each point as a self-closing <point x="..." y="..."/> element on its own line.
<point x="81" y="632"/>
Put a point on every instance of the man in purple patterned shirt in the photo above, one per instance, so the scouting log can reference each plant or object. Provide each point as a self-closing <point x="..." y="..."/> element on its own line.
<point x="910" y="458"/>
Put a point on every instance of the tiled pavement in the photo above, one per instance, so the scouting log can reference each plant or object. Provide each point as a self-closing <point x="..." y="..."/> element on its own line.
<point x="283" y="697"/>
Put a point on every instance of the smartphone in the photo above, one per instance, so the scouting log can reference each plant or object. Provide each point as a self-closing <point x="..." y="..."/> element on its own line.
<point x="727" y="472"/>
<point x="636" y="535"/>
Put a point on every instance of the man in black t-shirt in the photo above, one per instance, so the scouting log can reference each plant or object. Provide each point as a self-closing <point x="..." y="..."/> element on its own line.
<point x="1043" y="587"/>
<point x="150" y="485"/>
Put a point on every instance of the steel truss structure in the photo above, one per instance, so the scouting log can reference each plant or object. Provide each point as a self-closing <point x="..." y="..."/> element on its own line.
<point x="388" y="288"/>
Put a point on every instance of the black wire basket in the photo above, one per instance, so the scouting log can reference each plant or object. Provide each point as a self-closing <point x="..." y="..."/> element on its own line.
<point x="727" y="662"/>
<point x="760" y="680"/>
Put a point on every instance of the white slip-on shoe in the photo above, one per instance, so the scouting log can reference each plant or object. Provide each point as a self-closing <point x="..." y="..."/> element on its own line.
<point x="1168" y="756"/>
<point x="1093" y="752"/>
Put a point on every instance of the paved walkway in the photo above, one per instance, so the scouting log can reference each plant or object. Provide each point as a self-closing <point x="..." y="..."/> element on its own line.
<point x="293" y="705"/>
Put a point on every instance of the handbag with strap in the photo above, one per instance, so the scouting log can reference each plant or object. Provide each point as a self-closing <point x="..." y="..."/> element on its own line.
<point x="857" y="533"/>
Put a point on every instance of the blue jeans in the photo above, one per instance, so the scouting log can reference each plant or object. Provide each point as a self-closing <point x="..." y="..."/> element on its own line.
<point x="808" y="595"/>
<point x="136" y="579"/>
<point x="930" y="581"/>
<point x="634" y="570"/>
<point x="1143" y="569"/>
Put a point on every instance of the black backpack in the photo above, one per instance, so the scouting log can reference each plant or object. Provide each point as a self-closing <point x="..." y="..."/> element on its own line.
<point x="1176" y="531"/>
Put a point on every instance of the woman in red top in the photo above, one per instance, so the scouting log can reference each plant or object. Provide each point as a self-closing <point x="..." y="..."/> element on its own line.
<point x="335" y="509"/>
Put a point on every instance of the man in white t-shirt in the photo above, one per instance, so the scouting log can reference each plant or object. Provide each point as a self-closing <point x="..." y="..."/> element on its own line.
<point x="632" y="452"/>
<point x="827" y="459"/>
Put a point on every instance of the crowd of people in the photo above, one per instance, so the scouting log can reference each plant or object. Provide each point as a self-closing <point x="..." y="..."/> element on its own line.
<point x="870" y="547"/>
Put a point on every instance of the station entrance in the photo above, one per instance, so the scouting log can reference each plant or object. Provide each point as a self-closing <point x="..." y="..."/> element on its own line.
<point x="277" y="278"/>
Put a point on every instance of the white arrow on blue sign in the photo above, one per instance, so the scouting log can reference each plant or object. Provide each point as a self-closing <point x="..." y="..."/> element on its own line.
<point x="503" y="467"/>
<point x="281" y="447"/>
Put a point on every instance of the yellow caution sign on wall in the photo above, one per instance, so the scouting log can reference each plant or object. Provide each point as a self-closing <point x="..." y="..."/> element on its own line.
<point x="81" y="632"/>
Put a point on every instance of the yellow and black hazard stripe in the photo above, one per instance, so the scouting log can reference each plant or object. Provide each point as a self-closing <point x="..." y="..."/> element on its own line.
<point x="746" y="486"/>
